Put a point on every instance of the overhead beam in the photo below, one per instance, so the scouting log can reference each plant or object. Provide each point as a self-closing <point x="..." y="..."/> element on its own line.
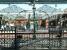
<point x="28" y="1"/>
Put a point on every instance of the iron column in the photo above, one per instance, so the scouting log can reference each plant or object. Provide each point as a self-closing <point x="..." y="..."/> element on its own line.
<point x="34" y="9"/>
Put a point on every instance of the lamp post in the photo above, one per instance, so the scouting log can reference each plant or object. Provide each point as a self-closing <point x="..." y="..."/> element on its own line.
<point x="60" y="32"/>
<point x="34" y="9"/>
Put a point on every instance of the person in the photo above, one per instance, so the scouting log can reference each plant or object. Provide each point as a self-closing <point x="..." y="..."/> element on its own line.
<point x="59" y="29"/>
<point x="16" y="43"/>
<point x="2" y="27"/>
<point x="28" y="25"/>
<point x="11" y="25"/>
<point x="7" y="26"/>
<point x="43" y="24"/>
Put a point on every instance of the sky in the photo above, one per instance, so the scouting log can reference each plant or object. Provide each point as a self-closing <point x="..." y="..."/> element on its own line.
<point x="29" y="7"/>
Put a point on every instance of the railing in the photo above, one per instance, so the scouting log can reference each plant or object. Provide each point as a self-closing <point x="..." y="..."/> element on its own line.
<point x="27" y="41"/>
<point x="9" y="39"/>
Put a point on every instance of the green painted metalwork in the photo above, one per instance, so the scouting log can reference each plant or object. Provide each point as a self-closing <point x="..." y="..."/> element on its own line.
<point x="27" y="1"/>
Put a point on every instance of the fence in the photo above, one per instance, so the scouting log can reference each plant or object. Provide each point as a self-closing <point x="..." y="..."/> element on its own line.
<point x="18" y="40"/>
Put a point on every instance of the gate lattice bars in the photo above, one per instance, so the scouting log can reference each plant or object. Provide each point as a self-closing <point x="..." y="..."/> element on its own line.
<point x="8" y="40"/>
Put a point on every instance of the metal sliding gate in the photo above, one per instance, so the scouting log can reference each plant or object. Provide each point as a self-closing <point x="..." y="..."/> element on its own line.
<point x="14" y="40"/>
